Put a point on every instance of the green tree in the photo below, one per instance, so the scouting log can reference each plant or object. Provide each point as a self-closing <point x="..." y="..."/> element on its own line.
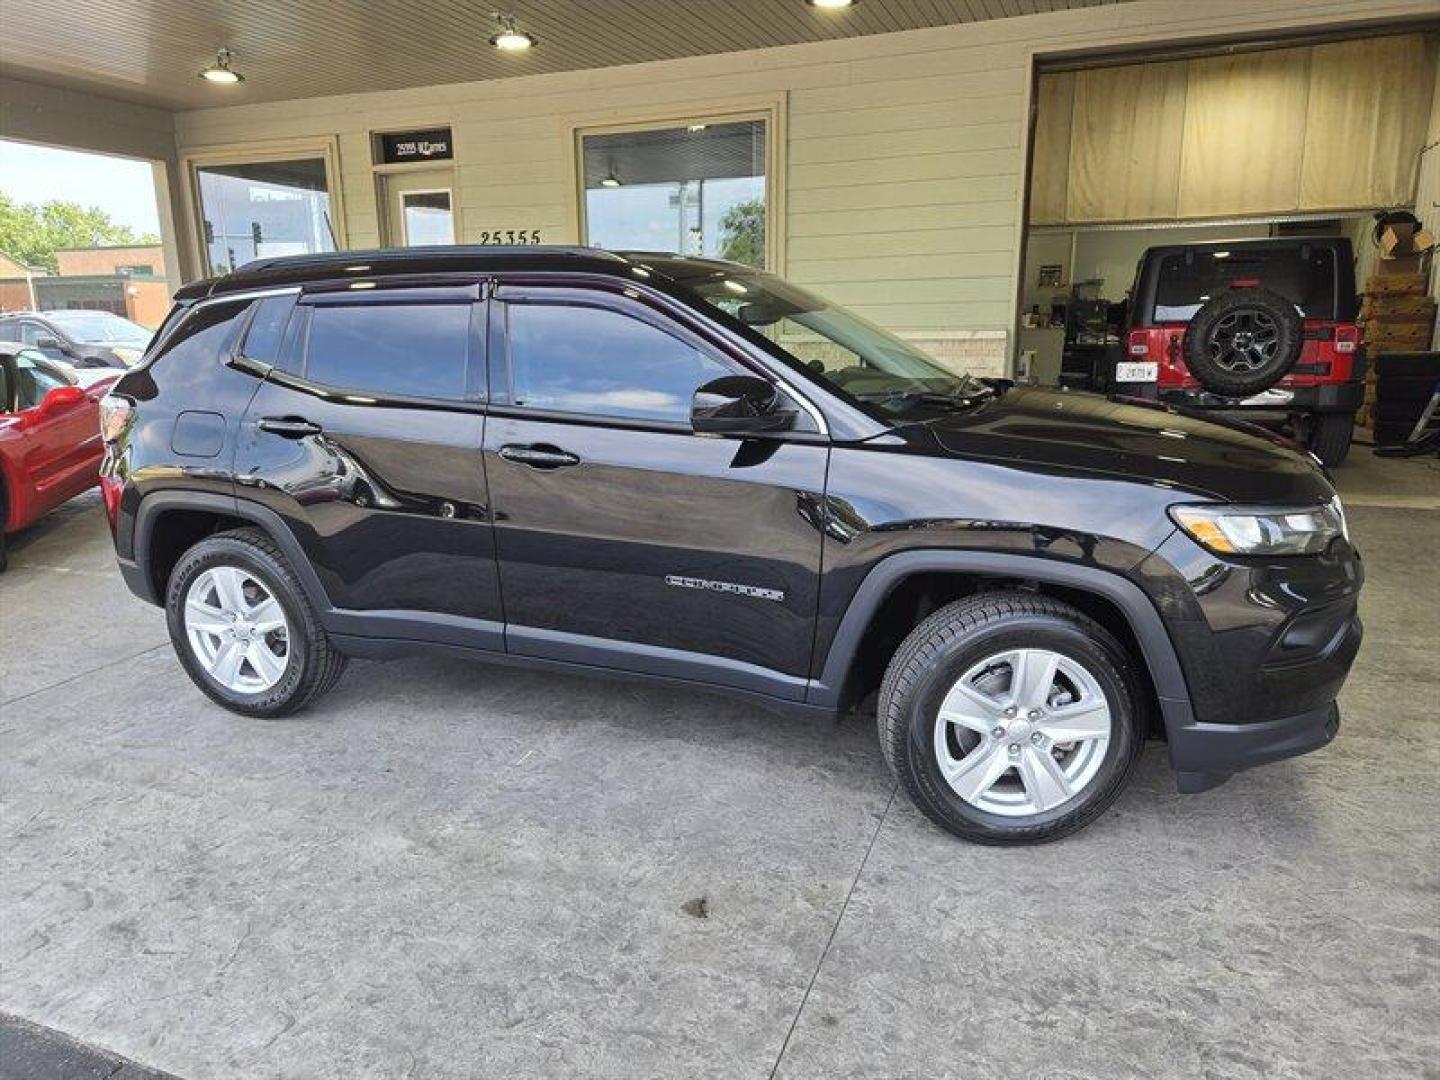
<point x="32" y="233"/>
<point x="742" y="233"/>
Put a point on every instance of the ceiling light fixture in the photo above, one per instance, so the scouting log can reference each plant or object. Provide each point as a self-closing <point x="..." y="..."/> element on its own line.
<point x="221" y="71"/>
<point x="510" y="38"/>
<point x="610" y="181"/>
<point x="695" y="128"/>
<point x="831" y="5"/>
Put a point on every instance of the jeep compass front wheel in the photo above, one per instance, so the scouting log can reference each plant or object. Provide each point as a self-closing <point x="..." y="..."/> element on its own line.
<point x="1010" y="718"/>
<point x="243" y="628"/>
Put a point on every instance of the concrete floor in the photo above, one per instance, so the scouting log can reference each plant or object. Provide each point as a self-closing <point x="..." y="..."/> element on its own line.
<point x="451" y="870"/>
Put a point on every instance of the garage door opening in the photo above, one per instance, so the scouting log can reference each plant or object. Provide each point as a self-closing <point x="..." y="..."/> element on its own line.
<point x="1255" y="176"/>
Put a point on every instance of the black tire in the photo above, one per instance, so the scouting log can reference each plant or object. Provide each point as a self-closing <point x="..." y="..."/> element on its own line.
<point x="1401" y="412"/>
<point x="1406" y="389"/>
<point x="1408" y="363"/>
<point x="942" y="648"/>
<point x="1392" y="432"/>
<point x="1243" y="341"/>
<point x="1330" y="436"/>
<point x="313" y="665"/>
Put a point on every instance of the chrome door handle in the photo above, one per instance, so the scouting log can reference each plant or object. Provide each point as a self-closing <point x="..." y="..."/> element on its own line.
<point x="289" y="427"/>
<point x="539" y="456"/>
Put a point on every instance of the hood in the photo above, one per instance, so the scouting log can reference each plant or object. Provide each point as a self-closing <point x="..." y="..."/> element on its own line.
<point x="1149" y="443"/>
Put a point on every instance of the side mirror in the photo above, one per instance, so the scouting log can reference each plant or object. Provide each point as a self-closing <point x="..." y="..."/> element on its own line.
<point x="46" y="341"/>
<point x="58" y="400"/>
<point x="738" y="405"/>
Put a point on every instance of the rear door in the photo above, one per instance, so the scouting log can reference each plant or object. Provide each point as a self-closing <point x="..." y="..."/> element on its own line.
<point x="365" y="437"/>
<point x="624" y="539"/>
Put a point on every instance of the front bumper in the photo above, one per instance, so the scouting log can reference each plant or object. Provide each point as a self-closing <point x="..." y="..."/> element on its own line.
<point x="1204" y="755"/>
<point x="1265" y="646"/>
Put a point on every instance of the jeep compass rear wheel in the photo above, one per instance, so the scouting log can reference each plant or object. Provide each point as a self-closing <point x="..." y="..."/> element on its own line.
<point x="1010" y="718"/>
<point x="243" y="628"/>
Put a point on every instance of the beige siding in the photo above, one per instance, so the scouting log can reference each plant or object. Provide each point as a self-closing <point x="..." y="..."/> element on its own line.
<point x="905" y="151"/>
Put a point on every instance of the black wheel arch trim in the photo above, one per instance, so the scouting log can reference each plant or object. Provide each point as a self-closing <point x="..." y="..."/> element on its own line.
<point x="1159" y="652"/>
<point x="152" y="506"/>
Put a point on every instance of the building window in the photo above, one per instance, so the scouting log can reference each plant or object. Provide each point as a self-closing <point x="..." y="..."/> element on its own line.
<point x="252" y="210"/>
<point x="697" y="189"/>
<point x="428" y="218"/>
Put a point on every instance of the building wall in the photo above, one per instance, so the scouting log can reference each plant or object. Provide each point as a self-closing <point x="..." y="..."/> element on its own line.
<point x="147" y="302"/>
<point x="12" y="267"/>
<point x="906" y="152"/>
<point x="108" y="260"/>
<point x="14" y="294"/>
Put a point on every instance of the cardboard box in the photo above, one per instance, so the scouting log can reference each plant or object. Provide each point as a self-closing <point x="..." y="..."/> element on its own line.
<point x="1398" y="337"/>
<point x="1398" y="284"/>
<point x="1402" y="308"/>
<point x="1404" y="238"/>
<point x="1400" y="266"/>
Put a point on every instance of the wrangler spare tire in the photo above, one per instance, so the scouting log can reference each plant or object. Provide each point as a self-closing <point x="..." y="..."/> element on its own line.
<point x="1243" y="341"/>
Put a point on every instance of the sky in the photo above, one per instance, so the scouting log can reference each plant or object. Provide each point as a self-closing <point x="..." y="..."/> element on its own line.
<point x="122" y="187"/>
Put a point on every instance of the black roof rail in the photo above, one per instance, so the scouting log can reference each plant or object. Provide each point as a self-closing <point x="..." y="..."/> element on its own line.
<point x="457" y="251"/>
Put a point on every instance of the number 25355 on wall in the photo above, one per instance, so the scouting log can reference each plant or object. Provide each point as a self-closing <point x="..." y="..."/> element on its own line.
<point x="510" y="236"/>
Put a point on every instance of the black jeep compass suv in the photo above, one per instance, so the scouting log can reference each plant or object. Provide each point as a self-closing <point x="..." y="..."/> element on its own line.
<point x="692" y="471"/>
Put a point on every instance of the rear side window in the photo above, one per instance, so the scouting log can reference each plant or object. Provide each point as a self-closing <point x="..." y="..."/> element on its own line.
<point x="1301" y="274"/>
<point x="203" y="337"/>
<point x="590" y="360"/>
<point x="411" y="350"/>
<point x="266" y="331"/>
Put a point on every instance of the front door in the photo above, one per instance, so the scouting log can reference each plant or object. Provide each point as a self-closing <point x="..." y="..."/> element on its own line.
<point x="57" y="446"/>
<point x="365" y="438"/>
<point x="624" y="539"/>
<point x="420" y="208"/>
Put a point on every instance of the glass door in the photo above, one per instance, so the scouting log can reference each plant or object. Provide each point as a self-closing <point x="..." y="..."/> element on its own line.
<point x="420" y="209"/>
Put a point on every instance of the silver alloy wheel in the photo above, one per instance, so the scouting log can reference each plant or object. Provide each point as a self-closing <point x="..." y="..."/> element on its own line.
<point x="1022" y="732"/>
<point x="237" y="629"/>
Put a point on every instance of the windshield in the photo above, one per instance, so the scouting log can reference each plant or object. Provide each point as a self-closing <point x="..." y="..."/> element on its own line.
<point x="852" y="354"/>
<point x="99" y="326"/>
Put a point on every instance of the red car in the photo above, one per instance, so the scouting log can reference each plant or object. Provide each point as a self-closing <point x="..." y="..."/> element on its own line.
<point x="50" y="445"/>
<point x="1262" y="330"/>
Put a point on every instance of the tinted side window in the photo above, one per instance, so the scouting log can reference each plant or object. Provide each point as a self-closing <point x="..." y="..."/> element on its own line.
<point x="267" y="329"/>
<point x="201" y="339"/>
<point x="31" y="332"/>
<point x="590" y="360"/>
<point x="415" y="350"/>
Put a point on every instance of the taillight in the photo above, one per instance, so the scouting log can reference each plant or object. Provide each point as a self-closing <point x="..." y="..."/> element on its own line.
<point x="1347" y="338"/>
<point x="116" y="413"/>
<point x="1139" y="343"/>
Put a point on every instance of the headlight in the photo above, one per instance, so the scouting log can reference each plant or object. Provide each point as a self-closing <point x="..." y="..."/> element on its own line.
<point x="1262" y="530"/>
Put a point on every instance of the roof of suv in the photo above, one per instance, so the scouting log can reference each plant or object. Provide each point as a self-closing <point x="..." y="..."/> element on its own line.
<point x="303" y="269"/>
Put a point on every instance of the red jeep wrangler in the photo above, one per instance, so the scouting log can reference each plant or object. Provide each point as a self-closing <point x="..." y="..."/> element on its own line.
<point x="1262" y="330"/>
